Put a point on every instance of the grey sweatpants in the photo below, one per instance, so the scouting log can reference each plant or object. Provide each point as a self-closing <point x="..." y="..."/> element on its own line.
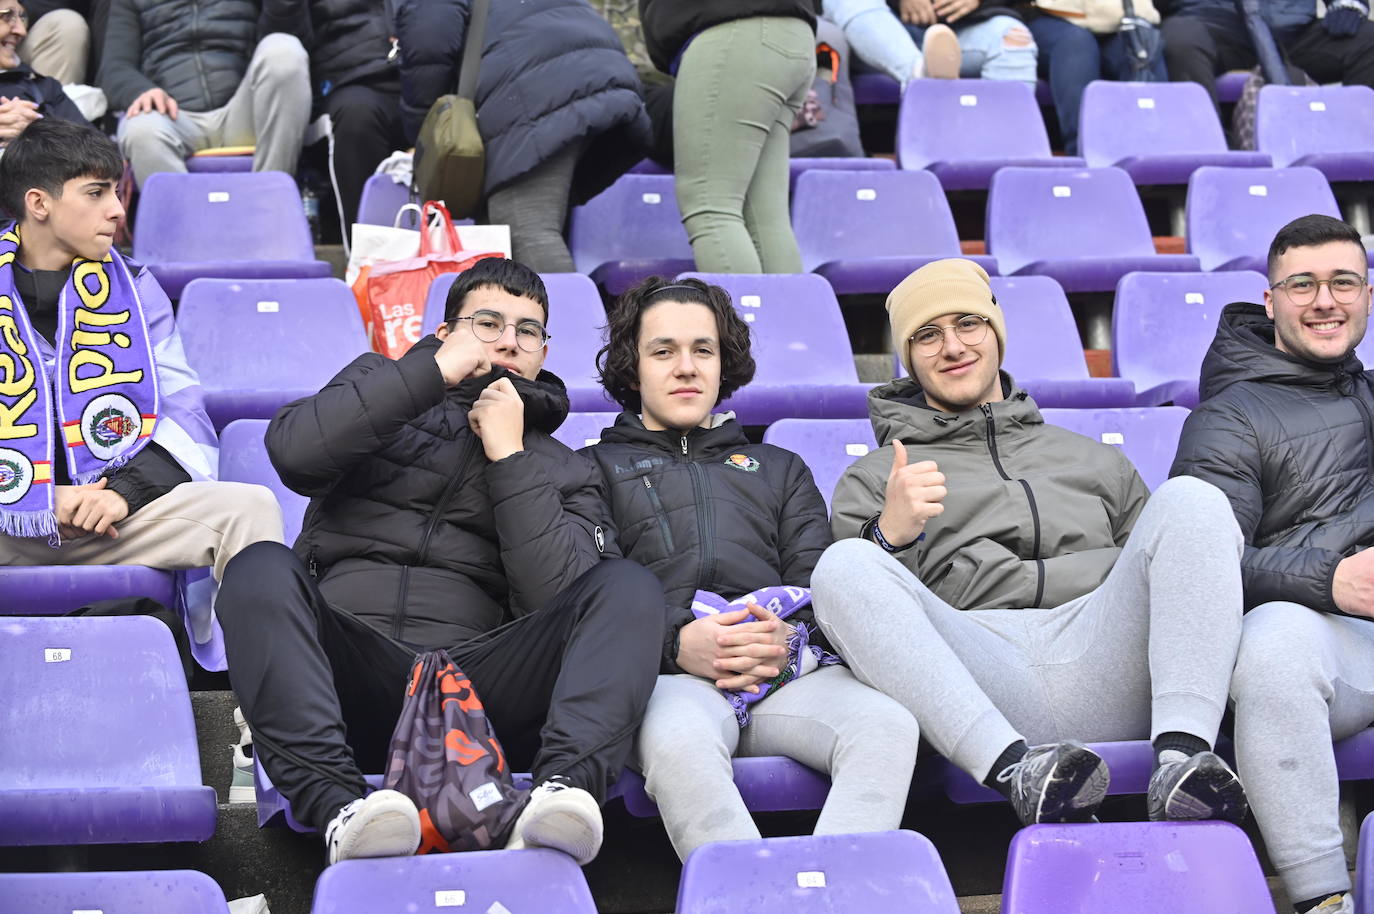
<point x="827" y="719"/>
<point x="269" y="110"/>
<point x="1149" y="651"/>
<point x="535" y="206"/>
<point x="1303" y="678"/>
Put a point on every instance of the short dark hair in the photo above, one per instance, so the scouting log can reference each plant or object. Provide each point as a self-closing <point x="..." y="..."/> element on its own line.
<point x="1309" y="231"/>
<point x="507" y="275"/>
<point x="618" y="360"/>
<point x="49" y="153"/>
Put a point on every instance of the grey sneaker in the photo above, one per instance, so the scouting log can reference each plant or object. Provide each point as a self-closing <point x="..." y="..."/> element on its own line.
<point x="1199" y="787"/>
<point x="241" y="786"/>
<point x="561" y="817"/>
<point x="384" y="823"/>
<point x="1057" y="782"/>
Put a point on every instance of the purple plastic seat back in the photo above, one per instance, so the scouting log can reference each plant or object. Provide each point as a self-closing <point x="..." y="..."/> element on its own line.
<point x="218" y="164"/>
<point x="534" y="880"/>
<point x="1040" y="322"/>
<point x="766" y="783"/>
<point x="1234" y="213"/>
<point x="179" y="891"/>
<point x="1328" y="127"/>
<point x="1148" y="436"/>
<point x="1364" y="867"/>
<point x="290" y="337"/>
<point x="1231" y="84"/>
<point x="635" y="220"/>
<point x="799" y="166"/>
<point x="976" y="118"/>
<point x="100" y="743"/>
<point x="1164" y="323"/>
<point x="382" y="198"/>
<point x="877" y="873"/>
<point x="243" y="458"/>
<point x="828" y="446"/>
<point x="1134" y="868"/>
<point x="581" y="430"/>
<point x="52" y="590"/>
<point x="216" y="217"/>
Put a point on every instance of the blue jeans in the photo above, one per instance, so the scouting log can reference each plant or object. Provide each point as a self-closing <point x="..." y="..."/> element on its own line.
<point x="985" y="53"/>
<point x="876" y="36"/>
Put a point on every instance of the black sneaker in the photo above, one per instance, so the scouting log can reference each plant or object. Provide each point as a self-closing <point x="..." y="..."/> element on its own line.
<point x="1200" y="787"/>
<point x="1057" y="782"/>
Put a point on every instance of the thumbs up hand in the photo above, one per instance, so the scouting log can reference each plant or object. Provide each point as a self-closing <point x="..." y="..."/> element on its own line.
<point x="915" y="493"/>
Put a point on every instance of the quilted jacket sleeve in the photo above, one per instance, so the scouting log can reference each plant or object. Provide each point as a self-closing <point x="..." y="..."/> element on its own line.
<point x="803" y="530"/>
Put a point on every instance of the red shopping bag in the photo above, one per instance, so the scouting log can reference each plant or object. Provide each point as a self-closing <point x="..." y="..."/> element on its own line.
<point x="392" y="295"/>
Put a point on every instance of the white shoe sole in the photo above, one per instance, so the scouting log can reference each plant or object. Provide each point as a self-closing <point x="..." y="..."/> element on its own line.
<point x="391" y="832"/>
<point x="941" y="53"/>
<point x="568" y="822"/>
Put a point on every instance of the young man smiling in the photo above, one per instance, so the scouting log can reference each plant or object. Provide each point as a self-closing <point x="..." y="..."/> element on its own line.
<point x="1008" y="583"/>
<point x="1286" y="430"/>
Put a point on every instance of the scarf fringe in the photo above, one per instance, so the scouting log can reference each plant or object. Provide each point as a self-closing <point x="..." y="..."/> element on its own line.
<point x="29" y="524"/>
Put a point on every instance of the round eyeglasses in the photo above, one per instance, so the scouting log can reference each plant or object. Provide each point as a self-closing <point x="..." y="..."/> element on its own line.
<point x="488" y="326"/>
<point x="1345" y="288"/>
<point x="971" y="329"/>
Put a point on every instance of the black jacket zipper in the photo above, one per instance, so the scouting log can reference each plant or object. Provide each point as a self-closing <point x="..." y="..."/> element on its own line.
<point x="706" y="525"/>
<point x="1030" y="500"/>
<point x="662" y="516"/>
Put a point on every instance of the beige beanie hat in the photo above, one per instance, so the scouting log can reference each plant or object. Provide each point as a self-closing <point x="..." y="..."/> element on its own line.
<point x="953" y="286"/>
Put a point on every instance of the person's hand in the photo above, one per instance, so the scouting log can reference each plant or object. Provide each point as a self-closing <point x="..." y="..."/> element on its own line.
<point x="91" y="508"/>
<point x="914" y="496"/>
<point x="918" y="12"/>
<point x="154" y="99"/>
<point x="498" y="418"/>
<point x="954" y="10"/>
<point x="15" y="115"/>
<point x="1352" y="587"/>
<point x="737" y="657"/>
<point x="461" y="356"/>
<point x="705" y="643"/>
<point x="1344" y="17"/>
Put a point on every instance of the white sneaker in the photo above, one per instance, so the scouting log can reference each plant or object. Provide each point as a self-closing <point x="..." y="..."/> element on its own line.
<point x="561" y="817"/>
<point x="1336" y="904"/>
<point x="940" y="53"/>
<point x="242" y="788"/>
<point x="384" y="823"/>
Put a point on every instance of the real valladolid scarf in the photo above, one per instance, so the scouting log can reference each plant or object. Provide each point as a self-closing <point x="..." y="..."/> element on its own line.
<point x="104" y="391"/>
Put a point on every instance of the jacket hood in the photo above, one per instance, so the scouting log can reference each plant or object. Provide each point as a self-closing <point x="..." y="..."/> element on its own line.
<point x="899" y="410"/>
<point x="545" y="398"/>
<point x="1244" y="350"/>
<point x="629" y="429"/>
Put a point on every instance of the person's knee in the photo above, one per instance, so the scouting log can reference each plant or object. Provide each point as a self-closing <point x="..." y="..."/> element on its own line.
<point x="1014" y="56"/>
<point x="1184" y="37"/>
<point x="632" y="593"/>
<point x="1280" y="643"/>
<point x="282" y="57"/>
<point x="255" y="579"/>
<point x="144" y="131"/>
<point x="68" y="26"/>
<point x="1188" y="503"/>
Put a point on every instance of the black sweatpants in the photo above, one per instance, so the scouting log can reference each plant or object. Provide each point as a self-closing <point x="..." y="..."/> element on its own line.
<point x="1198" y="49"/>
<point x="367" y="128"/>
<point x="564" y="687"/>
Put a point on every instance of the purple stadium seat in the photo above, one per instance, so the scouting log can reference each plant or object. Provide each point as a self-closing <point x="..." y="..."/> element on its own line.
<point x="1355" y="757"/>
<point x="179" y="891"/>
<point x="53" y="590"/>
<point x="1130" y="762"/>
<point x="1149" y="436"/>
<point x="1158" y="133"/>
<point x="218" y="165"/>
<point x="1084" y="227"/>
<point x="1234" y="213"/>
<point x="1163" y="324"/>
<point x="534" y="880"/>
<point x="243" y="458"/>
<point x="234" y="226"/>
<point x="877" y="873"/>
<point x="805" y="367"/>
<point x="649" y="167"/>
<point x="100" y="744"/>
<point x="876" y="89"/>
<point x="1330" y="128"/>
<point x="964" y="130"/>
<point x="576" y="317"/>
<point x="798" y="167"/>
<point x="581" y="430"/>
<point x="1230" y="85"/>
<point x="828" y="446"/>
<point x="287" y="339"/>
<point x="1045" y="355"/>
<point x="765" y="783"/>
<point x="1134" y="868"/>
<point x="630" y="230"/>
<point x="866" y="231"/>
<point x="382" y="198"/>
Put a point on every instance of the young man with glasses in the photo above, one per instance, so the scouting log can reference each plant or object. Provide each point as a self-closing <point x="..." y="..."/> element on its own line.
<point x="1007" y="581"/>
<point x="443" y="515"/>
<point x="1286" y="430"/>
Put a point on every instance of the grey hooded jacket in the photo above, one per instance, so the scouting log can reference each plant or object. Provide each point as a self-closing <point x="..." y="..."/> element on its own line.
<point x="1036" y="515"/>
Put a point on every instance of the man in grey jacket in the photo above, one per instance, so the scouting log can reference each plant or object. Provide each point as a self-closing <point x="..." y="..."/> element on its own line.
<point x="1286" y="430"/>
<point x="1007" y="582"/>
<point x="191" y="75"/>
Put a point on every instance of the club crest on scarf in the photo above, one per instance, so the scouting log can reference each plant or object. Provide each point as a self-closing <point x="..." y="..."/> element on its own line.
<point x="104" y="388"/>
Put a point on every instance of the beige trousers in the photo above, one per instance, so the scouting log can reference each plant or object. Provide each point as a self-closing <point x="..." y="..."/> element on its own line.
<point x="57" y="46"/>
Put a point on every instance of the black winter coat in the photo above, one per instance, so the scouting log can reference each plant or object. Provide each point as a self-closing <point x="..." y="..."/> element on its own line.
<point x="46" y="92"/>
<point x="1291" y="443"/>
<point x="710" y="511"/>
<point x="552" y="72"/>
<point x="670" y="24"/>
<point x="410" y="527"/>
<point x="347" y="40"/>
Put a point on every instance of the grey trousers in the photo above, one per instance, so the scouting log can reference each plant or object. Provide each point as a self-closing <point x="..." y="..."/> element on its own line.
<point x="269" y="110"/>
<point x="57" y="45"/>
<point x="826" y="719"/>
<point x="1303" y="678"/>
<point x="738" y="87"/>
<point x="535" y="206"/>
<point x="1149" y="651"/>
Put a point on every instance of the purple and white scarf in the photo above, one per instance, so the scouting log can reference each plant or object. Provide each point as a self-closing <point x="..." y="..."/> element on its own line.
<point x="105" y="388"/>
<point x="802" y="655"/>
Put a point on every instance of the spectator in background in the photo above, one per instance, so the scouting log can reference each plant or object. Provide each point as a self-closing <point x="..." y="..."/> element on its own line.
<point x="26" y="96"/>
<point x="559" y="107"/>
<point x="193" y="76"/>
<point x="994" y="42"/>
<point x="743" y="69"/>
<point x="1203" y="38"/>
<point x="357" y="83"/>
<point x="58" y="43"/>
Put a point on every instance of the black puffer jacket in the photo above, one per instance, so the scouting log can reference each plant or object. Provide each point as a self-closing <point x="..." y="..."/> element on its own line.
<point x="46" y="92"/>
<point x="670" y="24"/>
<point x="552" y="72"/>
<point x="410" y="527"/>
<point x="710" y="511"/>
<point x="348" y="40"/>
<point x="1291" y="443"/>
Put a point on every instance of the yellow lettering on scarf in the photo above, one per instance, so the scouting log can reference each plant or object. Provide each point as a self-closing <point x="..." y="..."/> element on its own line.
<point x="15" y="383"/>
<point x="97" y="299"/>
<point x="94" y="301"/>
<point x="8" y="256"/>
